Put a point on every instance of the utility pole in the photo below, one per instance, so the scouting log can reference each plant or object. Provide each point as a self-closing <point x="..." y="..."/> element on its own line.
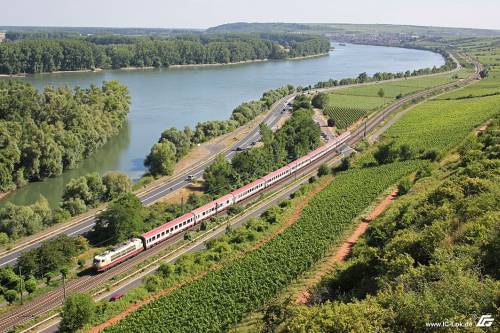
<point x="21" y="285"/>
<point x="64" y="272"/>
<point x="64" y="287"/>
<point x="182" y="204"/>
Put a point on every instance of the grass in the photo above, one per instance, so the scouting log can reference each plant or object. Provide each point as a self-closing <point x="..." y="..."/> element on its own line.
<point x="357" y="102"/>
<point x="441" y="124"/>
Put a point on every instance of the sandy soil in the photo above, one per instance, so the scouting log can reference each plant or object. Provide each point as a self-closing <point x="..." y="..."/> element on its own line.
<point x="339" y="254"/>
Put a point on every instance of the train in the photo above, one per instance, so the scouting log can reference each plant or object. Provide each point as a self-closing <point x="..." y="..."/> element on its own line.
<point x="132" y="247"/>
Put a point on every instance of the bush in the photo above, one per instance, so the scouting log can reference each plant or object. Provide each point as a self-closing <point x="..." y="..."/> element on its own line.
<point x="10" y="296"/>
<point x="235" y="209"/>
<point x="323" y="170"/>
<point x="404" y="186"/>
<point x="78" y="310"/>
<point x="30" y="285"/>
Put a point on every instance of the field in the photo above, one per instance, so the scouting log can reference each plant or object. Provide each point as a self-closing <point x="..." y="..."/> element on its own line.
<point x="348" y="105"/>
<point x="358" y="102"/>
<point x="441" y="124"/>
<point x="343" y="116"/>
<point x="221" y="298"/>
<point x="487" y="86"/>
<point x="347" y="109"/>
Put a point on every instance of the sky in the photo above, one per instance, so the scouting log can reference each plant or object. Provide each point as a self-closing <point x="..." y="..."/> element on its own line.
<point x="204" y="14"/>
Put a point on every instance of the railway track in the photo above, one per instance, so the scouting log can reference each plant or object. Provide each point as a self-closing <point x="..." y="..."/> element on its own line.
<point x="55" y="298"/>
<point x="85" y="283"/>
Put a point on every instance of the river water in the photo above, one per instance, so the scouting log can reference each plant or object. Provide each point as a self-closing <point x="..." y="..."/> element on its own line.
<point x="162" y="98"/>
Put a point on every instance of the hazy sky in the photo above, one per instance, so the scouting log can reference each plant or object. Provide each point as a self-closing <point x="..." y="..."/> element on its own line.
<point x="203" y="14"/>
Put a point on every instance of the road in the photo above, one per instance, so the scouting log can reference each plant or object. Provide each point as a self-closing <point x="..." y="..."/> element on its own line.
<point x="160" y="191"/>
<point x="174" y="184"/>
<point x="87" y="282"/>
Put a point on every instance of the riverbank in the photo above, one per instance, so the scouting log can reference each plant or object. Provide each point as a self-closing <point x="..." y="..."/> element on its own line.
<point x="131" y="68"/>
<point x="54" y="72"/>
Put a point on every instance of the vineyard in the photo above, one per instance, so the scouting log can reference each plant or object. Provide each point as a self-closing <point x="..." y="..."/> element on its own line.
<point x="488" y="86"/>
<point x="442" y="124"/>
<point x="344" y="116"/>
<point x="222" y="298"/>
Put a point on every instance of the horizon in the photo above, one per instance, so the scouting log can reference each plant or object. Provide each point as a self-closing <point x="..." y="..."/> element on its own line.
<point x="244" y="22"/>
<point x="196" y="14"/>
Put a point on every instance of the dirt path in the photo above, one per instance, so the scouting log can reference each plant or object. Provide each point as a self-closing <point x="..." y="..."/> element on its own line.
<point x="290" y="220"/>
<point x="339" y="254"/>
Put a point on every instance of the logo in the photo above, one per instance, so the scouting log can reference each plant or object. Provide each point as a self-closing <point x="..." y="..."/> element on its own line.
<point x="485" y="321"/>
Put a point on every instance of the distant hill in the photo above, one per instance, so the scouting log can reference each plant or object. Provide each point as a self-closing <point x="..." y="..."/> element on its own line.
<point x="260" y="27"/>
<point x="328" y="28"/>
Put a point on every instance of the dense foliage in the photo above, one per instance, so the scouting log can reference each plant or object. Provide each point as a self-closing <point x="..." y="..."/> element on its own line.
<point x="52" y="256"/>
<point x="78" y="310"/>
<point x="298" y="135"/>
<point x="43" y="133"/>
<point x="432" y="258"/>
<point x="174" y="144"/>
<point x="223" y="297"/>
<point x="112" y="51"/>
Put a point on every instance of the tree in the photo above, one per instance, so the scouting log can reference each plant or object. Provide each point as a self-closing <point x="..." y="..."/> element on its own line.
<point x="220" y="176"/>
<point x="381" y="92"/>
<point x="385" y="153"/>
<point x="27" y="262"/>
<point x="10" y="296"/>
<point x="78" y="310"/>
<point x="266" y="134"/>
<point x="319" y="101"/>
<point x="180" y="139"/>
<point x="74" y="206"/>
<point x="121" y="220"/>
<point x="161" y="159"/>
<point x="323" y="170"/>
<point x="116" y="183"/>
<point x="362" y="78"/>
<point x="30" y="285"/>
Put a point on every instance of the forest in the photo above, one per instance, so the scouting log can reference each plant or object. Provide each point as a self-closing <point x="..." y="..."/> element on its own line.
<point x="44" y="133"/>
<point x="49" y="52"/>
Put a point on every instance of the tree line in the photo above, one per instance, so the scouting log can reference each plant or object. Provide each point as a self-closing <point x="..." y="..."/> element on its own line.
<point x="174" y="143"/>
<point x="50" y="53"/>
<point x="382" y="76"/>
<point x="299" y="135"/>
<point x="43" y="133"/>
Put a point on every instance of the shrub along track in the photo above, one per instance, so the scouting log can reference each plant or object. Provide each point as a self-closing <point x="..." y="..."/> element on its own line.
<point x="290" y="220"/>
<point x="54" y="298"/>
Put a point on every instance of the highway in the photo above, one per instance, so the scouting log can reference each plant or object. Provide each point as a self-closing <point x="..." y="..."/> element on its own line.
<point x="147" y="198"/>
<point x="87" y="282"/>
<point x="160" y="191"/>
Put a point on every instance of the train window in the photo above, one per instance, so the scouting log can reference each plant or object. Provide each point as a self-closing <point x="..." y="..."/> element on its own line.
<point x="177" y="226"/>
<point x="163" y="233"/>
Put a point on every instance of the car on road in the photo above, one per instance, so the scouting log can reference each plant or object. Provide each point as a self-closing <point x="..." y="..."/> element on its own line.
<point x="116" y="297"/>
<point x="190" y="177"/>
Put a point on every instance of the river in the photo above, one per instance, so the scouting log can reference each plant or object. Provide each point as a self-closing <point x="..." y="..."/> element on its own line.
<point x="178" y="97"/>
